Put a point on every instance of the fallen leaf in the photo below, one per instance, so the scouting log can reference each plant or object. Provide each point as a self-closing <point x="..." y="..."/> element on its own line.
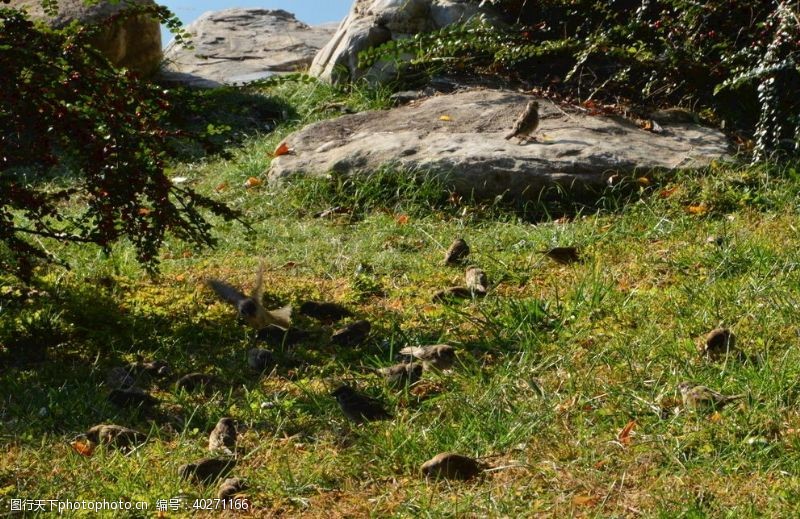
<point x="180" y="278"/>
<point x="716" y="417"/>
<point x="697" y="209"/>
<point x="222" y="186"/>
<point x="643" y="181"/>
<point x="282" y="149"/>
<point x="252" y="182"/>
<point x="401" y="219"/>
<point x="82" y="448"/>
<point x="666" y="193"/>
<point x="143" y="211"/>
<point x="584" y="500"/>
<point x="445" y="118"/>
<point x="624" y="435"/>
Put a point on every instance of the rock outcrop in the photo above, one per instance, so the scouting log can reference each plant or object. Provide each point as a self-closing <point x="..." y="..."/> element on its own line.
<point x="240" y="45"/>
<point x="133" y="42"/>
<point x="373" y="22"/>
<point x="460" y="137"/>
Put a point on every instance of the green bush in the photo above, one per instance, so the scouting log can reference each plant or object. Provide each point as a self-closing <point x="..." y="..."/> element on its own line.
<point x="83" y="150"/>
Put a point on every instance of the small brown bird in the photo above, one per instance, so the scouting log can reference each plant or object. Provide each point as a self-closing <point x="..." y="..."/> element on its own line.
<point x="457" y="251"/>
<point x="448" y="465"/>
<point x="477" y="281"/>
<point x="120" y="378"/>
<point x="223" y="437"/>
<point x="719" y="343"/>
<point x="260" y="360"/>
<point x="195" y="381"/>
<point x="352" y="335"/>
<point x="132" y="397"/>
<point x="279" y="337"/>
<point x="451" y="293"/>
<point x="563" y="255"/>
<point x="402" y="374"/>
<point x="526" y="123"/>
<point x="206" y="470"/>
<point x="439" y="356"/>
<point x="230" y="487"/>
<point x="323" y="311"/>
<point x="250" y="309"/>
<point x="357" y="407"/>
<point x="700" y="397"/>
<point x="115" y="436"/>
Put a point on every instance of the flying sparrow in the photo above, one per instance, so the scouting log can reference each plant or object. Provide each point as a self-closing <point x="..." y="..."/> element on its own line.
<point x="563" y="255"/>
<point x="402" y="374"/>
<point x="351" y="335"/>
<point x="719" y="343"/>
<point x="115" y="436"/>
<point x="457" y="251"/>
<point x="526" y="123"/>
<point x="357" y="407"/>
<point x="230" y="487"/>
<point x="699" y="397"/>
<point x="477" y="281"/>
<point x="439" y="356"/>
<point x="323" y="311"/>
<point x="250" y="308"/>
<point x="448" y="465"/>
<point x="260" y="360"/>
<point x="223" y="437"/>
<point x="206" y="470"/>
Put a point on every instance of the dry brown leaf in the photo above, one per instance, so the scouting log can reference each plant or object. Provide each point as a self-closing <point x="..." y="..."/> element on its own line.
<point x="401" y="219"/>
<point x="143" y="211"/>
<point x="222" y="186"/>
<point x="697" y="209"/>
<point x="716" y="417"/>
<point x="666" y="193"/>
<point x="584" y="500"/>
<point x="252" y="182"/>
<point x="82" y="448"/>
<point x="643" y="181"/>
<point x="624" y="435"/>
<point x="282" y="149"/>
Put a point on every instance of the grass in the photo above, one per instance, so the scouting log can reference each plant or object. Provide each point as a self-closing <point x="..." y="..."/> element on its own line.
<point x="552" y="364"/>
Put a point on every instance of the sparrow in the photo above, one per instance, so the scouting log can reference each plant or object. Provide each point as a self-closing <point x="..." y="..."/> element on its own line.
<point x="230" y="487"/>
<point x="132" y="397"/>
<point x="697" y="397"/>
<point x="563" y="255"/>
<point x="439" y="356"/>
<point x="250" y="309"/>
<point x="451" y="293"/>
<point x="127" y="376"/>
<point x="120" y="378"/>
<point x="115" y="436"/>
<point x="223" y="437"/>
<point x="448" y="465"/>
<point x="457" y="251"/>
<point x="278" y="337"/>
<point x="260" y="360"/>
<point x="357" y="407"/>
<point x="328" y="312"/>
<point x="719" y="343"/>
<point x="206" y="470"/>
<point x="351" y="335"/>
<point x="402" y="374"/>
<point x="477" y="281"/>
<point x="194" y="381"/>
<point x="526" y="123"/>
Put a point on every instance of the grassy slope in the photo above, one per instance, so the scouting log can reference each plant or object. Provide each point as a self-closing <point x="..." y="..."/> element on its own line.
<point x="553" y="363"/>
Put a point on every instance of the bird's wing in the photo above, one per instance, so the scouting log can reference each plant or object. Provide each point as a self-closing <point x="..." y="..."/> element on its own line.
<point x="226" y="292"/>
<point x="280" y="317"/>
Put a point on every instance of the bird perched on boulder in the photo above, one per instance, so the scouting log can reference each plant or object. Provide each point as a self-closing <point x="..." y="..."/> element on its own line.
<point x="250" y="308"/>
<point x="357" y="407"/>
<point x="526" y="123"/>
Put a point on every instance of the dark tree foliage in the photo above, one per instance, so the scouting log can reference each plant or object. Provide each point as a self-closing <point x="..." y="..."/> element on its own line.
<point x="82" y="152"/>
<point x="736" y="61"/>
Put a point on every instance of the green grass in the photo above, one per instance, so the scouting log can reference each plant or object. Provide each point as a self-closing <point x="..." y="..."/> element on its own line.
<point x="552" y="364"/>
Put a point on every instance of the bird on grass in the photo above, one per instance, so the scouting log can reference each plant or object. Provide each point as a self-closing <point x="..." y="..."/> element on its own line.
<point x="402" y="374"/>
<point x="563" y="255"/>
<point x="115" y="436"/>
<point x="260" y="360"/>
<point x="352" y="335"/>
<point x="457" y="251"/>
<point x="357" y="407"/>
<point x="698" y="397"/>
<point x="448" y="465"/>
<point x="719" y="343"/>
<point x="223" y="437"/>
<point x="230" y="487"/>
<point x="325" y="311"/>
<point x="526" y="123"/>
<point x="206" y="470"/>
<point x="439" y="356"/>
<point x="250" y="308"/>
<point x="477" y="281"/>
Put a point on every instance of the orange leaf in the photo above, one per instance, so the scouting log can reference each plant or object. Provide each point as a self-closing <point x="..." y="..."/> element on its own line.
<point x="643" y="181"/>
<point x="624" y="435"/>
<point x="697" y="209"/>
<point x="666" y="193"/>
<point x="716" y="417"/>
<point x="584" y="500"/>
<point x="445" y="118"/>
<point x="252" y="182"/>
<point x="222" y="186"/>
<point x="180" y="278"/>
<point x="143" y="211"/>
<point x="401" y="219"/>
<point x="282" y="149"/>
<point x="82" y="448"/>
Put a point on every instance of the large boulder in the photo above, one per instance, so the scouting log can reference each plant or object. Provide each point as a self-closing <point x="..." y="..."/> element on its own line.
<point x="240" y="45"/>
<point x="460" y="137"/>
<point x="133" y="42"/>
<point x="373" y="22"/>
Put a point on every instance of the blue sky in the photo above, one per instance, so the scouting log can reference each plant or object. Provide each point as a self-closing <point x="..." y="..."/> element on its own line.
<point x="309" y="11"/>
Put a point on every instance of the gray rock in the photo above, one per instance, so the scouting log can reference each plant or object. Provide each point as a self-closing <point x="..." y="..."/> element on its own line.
<point x="133" y="42"/>
<point x="371" y="23"/>
<point x="242" y="45"/>
<point x="466" y="148"/>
